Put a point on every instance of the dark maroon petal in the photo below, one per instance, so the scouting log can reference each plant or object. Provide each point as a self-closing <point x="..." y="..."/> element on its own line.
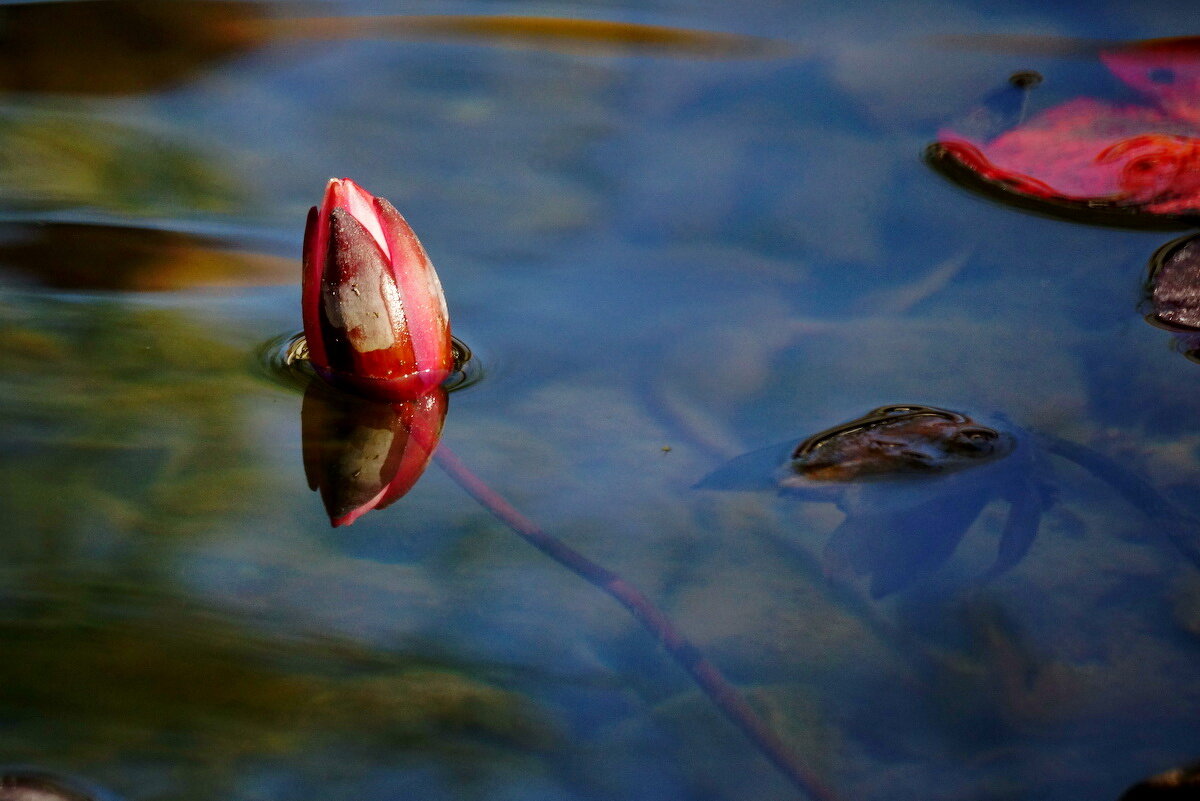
<point x="315" y="251"/>
<point x="362" y="314"/>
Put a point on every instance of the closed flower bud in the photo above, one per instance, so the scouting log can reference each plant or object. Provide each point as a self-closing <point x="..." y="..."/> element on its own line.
<point x="375" y="318"/>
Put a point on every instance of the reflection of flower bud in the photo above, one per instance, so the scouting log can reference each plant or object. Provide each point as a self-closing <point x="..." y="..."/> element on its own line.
<point x="20" y="784"/>
<point x="1174" y="785"/>
<point x="374" y="315"/>
<point x="363" y="455"/>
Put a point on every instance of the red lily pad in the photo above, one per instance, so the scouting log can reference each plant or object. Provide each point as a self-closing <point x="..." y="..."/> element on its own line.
<point x="1133" y="164"/>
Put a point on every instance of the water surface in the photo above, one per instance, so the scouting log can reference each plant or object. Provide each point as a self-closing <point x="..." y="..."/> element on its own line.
<point x="664" y="257"/>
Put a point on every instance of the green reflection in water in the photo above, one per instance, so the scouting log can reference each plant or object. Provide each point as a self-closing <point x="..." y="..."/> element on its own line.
<point x="52" y="155"/>
<point x="127" y="447"/>
<point x="117" y="419"/>
<point x="110" y="679"/>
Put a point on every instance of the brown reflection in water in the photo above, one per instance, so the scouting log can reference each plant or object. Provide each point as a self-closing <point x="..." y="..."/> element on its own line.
<point x="363" y="455"/>
<point x="161" y="677"/>
<point x="119" y="46"/>
<point x="82" y="256"/>
<point x="131" y="46"/>
<point x="588" y="36"/>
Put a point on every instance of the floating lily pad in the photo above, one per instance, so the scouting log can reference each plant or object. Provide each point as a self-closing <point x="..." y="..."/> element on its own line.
<point x="1091" y="159"/>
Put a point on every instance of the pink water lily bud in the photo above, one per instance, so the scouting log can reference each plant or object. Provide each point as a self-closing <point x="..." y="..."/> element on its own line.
<point x="375" y="317"/>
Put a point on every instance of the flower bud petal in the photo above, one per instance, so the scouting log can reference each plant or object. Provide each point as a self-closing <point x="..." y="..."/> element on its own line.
<point x="375" y="315"/>
<point x="362" y="314"/>
<point x="424" y="302"/>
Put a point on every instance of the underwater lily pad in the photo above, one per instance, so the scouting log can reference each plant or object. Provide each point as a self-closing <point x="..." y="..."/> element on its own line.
<point x="913" y="479"/>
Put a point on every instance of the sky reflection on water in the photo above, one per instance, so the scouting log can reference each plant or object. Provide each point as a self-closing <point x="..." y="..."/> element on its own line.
<point x="663" y="262"/>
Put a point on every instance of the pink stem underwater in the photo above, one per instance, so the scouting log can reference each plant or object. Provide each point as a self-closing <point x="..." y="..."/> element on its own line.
<point x="723" y="694"/>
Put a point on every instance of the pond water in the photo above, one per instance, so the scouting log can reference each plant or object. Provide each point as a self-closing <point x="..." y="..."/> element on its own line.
<point x="665" y="251"/>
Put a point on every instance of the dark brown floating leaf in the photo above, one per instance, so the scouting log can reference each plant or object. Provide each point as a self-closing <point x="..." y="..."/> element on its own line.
<point x="1181" y="784"/>
<point x="1173" y="288"/>
<point x="894" y="440"/>
<point x="1025" y="79"/>
<point x="83" y="256"/>
<point x="897" y="531"/>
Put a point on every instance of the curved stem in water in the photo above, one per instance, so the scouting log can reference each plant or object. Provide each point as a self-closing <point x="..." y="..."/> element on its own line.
<point x="723" y="694"/>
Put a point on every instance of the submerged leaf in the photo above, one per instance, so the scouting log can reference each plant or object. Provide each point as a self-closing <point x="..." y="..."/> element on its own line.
<point x="912" y="480"/>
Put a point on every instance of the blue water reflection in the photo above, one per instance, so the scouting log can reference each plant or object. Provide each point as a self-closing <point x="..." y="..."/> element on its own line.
<point x="664" y="261"/>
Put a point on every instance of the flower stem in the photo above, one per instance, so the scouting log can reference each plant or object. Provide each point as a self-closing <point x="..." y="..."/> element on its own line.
<point x="723" y="694"/>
